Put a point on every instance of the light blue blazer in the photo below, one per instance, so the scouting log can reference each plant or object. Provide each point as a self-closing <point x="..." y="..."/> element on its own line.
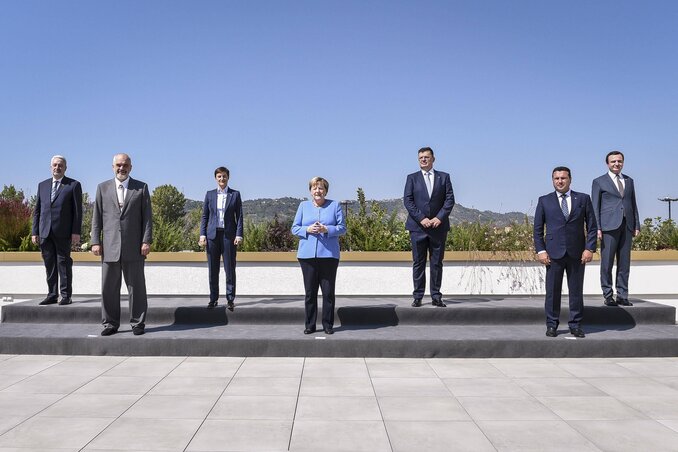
<point x="319" y="245"/>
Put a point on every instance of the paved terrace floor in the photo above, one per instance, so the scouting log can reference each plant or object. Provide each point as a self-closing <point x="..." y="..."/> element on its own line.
<point x="96" y="403"/>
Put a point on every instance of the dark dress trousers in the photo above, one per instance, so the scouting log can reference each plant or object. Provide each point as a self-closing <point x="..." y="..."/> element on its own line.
<point x="617" y="217"/>
<point x="121" y="234"/>
<point x="564" y="239"/>
<point x="220" y="241"/>
<point x="54" y="222"/>
<point x="428" y="241"/>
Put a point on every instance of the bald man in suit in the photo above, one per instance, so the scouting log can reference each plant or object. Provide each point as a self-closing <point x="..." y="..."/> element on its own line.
<point x="122" y="235"/>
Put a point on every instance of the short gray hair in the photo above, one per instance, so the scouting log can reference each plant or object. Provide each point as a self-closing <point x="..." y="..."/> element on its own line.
<point x="60" y="157"/>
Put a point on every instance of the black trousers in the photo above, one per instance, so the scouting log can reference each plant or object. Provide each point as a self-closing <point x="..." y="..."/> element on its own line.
<point x="319" y="273"/>
<point x="221" y="246"/>
<point x="424" y="245"/>
<point x="56" y="253"/>
<point x="575" y="285"/>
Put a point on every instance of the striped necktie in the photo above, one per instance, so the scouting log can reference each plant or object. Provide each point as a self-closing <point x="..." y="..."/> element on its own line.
<point x="563" y="205"/>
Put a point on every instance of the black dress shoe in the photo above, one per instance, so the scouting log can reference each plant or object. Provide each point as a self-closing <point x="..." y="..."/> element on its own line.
<point x="329" y="330"/>
<point x="212" y="304"/>
<point x="65" y="301"/>
<point x="438" y="303"/>
<point x="416" y="303"/>
<point x="623" y="302"/>
<point x="609" y="301"/>
<point x="108" y="331"/>
<point x="230" y="305"/>
<point x="47" y="301"/>
<point x="551" y="332"/>
<point x="309" y="331"/>
<point x="137" y="330"/>
<point x="577" y="332"/>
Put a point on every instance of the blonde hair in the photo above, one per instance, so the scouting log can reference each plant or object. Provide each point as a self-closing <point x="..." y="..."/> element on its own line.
<point x="319" y="181"/>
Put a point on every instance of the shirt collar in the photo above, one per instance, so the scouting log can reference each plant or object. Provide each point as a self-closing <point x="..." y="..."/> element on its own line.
<point x="57" y="180"/>
<point x="224" y="191"/>
<point x="429" y="171"/>
<point x="124" y="183"/>
<point x="614" y="176"/>
<point x="568" y="193"/>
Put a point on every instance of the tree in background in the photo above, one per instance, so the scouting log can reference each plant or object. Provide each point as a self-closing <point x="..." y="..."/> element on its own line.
<point x="15" y="221"/>
<point x="168" y="204"/>
<point x="11" y="193"/>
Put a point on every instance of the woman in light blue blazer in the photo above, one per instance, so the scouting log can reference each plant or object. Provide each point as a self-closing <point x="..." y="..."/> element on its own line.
<point x="319" y="223"/>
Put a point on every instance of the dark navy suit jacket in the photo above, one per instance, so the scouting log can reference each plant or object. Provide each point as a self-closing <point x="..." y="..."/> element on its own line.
<point x="63" y="217"/>
<point x="233" y="223"/>
<point x="420" y="206"/>
<point x="557" y="235"/>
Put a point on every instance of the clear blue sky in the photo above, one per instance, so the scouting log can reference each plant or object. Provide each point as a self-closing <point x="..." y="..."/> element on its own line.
<point x="280" y="91"/>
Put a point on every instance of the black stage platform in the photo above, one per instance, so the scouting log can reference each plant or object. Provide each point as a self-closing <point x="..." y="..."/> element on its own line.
<point x="470" y="327"/>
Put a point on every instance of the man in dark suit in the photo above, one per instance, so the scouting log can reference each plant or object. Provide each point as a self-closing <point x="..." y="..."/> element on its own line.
<point x="614" y="204"/>
<point x="429" y="200"/>
<point x="221" y="229"/>
<point x="122" y="235"/>
<point x="565" y="240"/>
<point x="57" y="223"/>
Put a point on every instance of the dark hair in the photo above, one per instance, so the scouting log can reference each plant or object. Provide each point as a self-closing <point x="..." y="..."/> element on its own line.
<point x="426" y="149"/>
<point x="222" y="169"/>
<point x="562" y="168"/>
<point x="607" y="157"/>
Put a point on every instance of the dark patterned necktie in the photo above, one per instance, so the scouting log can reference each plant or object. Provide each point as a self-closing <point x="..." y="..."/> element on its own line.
<point x="55" y="186"/>
<point x="620" y="187"/>
<point x="563" y="205"/>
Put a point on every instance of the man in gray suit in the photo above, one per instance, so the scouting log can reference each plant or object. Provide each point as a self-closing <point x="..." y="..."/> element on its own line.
<point x="614" y="204"/>
<point x="122" y="235"/>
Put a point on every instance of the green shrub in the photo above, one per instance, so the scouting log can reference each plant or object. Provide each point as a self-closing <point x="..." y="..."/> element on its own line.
<point x="15" y="223"/>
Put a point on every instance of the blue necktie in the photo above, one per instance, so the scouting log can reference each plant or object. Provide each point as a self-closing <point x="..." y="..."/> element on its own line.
<point x="563" y="205"/>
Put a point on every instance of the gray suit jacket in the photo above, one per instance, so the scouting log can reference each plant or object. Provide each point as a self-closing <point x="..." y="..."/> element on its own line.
<point x="609" y="206"/>
<point x="122" y="232"/>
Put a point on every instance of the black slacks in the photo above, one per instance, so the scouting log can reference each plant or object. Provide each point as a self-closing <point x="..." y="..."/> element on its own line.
<point x="319" y="273"/>
<point x="575" y="285"/>
<point x="424" y="245"/>
<point x="221" y="246"/>
<point x="56" y="253"/>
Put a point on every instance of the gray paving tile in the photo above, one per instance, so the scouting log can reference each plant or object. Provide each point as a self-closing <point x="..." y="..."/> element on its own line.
<point x="145" y="366"/>
<point x="271" y="367"/>
<point x="18" y="404"/>
<point x="119" y="385"/>
<point x="79" y="367"/>
<point x="410" y="387"/>
<point x="670" y="423"/>
<point x="45" y="433"/>
<point x="652" y="368"/>
<point x="530" y="436"/>
<point x="558" y="387"/>
<point x="441" y="436"/>
<point x="528" y="368"/>
<point x="38" y="449"/>
<point x="335" y="368"/>
<point x="671" y="382"/>
<point x="628" y="435"/>
<point x="422" y="409"/>
<point x="593" y="368"/>
<point x="242" y="435"/>
<point x="319" y="386"/>
<point x="18" y="365"/>
<point x="464" y="368"/>
<point x="338" y="408"/>
<point x="594" y="408"/>
<point x="638" y="386"/>
<point x="8" y="422"/>
<point x="513" y="408"/>
<point x="9" y="380"/>
<point x="196" y="386"/>
<point x="399" y="368"/>
<point x="223" y="367"/>
<point x="664" y="408"/>
<point x="135" y="434"/>
<point x="484" y="387"/>
<point x="171" y="407"/>
<point x="348" y="436"/>
<point x="263" y="386"/>
<point x="48" y="384"/>
<point x="254" y="407"/>
<point x="90" y="405"/>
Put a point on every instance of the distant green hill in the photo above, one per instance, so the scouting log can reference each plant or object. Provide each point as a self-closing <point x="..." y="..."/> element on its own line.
<point x="260" y="210"/>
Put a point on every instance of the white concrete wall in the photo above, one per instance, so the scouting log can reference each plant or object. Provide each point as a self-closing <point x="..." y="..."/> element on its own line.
<point x="353" y="278"/>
